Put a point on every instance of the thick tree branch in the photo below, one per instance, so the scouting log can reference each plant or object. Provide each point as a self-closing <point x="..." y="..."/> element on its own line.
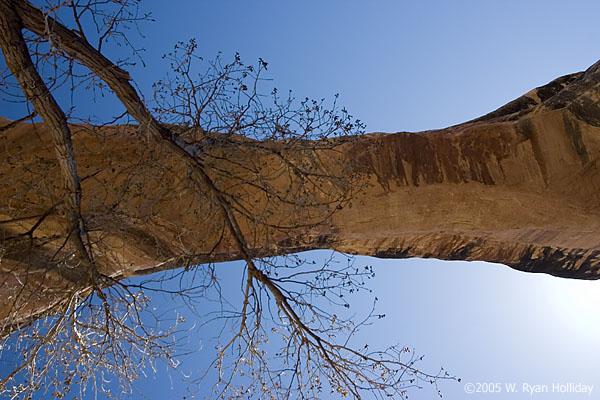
<point x="118" y="80"/>
<point x="21" y="66"/>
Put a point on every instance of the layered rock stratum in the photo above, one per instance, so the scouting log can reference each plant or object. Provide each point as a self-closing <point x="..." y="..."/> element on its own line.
<point x="518" y="186"/>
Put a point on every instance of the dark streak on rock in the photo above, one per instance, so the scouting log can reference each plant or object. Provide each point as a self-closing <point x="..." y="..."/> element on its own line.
<point x="575" y="136"/>
<point x="559" y="262"/>
<point x="551" y="89"/>
<point x="323" y="240"/>
<point x="526" y="129"/>
<point x="588" y="263"/>
<point x="463" y="252"/>
<point x="580" y="96"/>
<point x="586" y="110"/>
<point x="387" y="158"/>
<point x="524" y="104"/>
<point x="518" y="106"/>
<point x="394" y="253"/>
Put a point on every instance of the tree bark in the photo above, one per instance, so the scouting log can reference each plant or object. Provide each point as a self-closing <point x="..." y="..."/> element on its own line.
<point x="35" y="90"/>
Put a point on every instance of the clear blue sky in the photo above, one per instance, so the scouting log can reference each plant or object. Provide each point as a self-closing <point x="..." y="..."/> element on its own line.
<point x="418" y="65"/>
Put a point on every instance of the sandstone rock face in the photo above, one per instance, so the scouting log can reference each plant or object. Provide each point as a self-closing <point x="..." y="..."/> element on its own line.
<point x="519" y="186"/>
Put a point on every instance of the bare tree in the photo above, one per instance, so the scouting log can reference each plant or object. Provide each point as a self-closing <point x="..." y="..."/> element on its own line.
<point x="265" y="168"/>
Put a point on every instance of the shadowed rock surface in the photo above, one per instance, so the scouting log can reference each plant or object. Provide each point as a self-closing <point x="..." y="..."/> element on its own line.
<point x="518" y="186"/>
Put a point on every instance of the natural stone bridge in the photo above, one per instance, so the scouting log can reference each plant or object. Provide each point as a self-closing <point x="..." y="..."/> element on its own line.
<point x="519" y="186"/>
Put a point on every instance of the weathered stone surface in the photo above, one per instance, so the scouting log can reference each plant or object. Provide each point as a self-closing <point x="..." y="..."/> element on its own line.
<point x="519" y="186"/>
